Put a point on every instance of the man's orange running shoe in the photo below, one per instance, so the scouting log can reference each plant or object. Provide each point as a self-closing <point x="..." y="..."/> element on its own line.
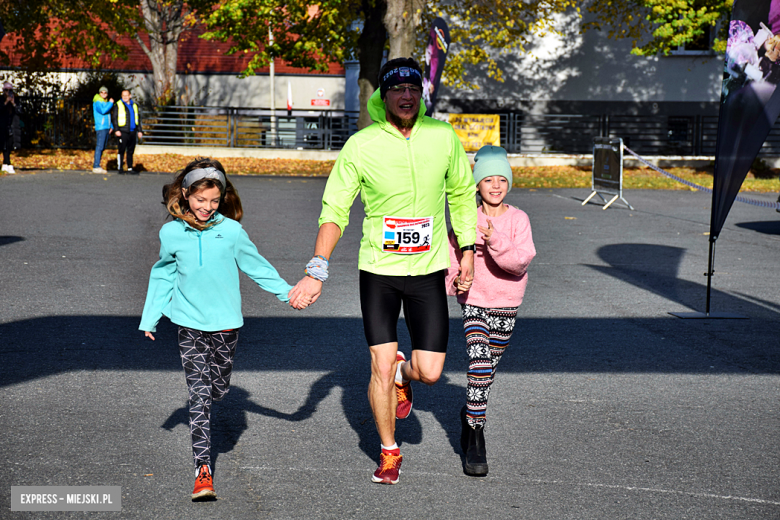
<point x="404" y="393"/>
<point x="204" y="485"/>
<point x="389" y="468"/>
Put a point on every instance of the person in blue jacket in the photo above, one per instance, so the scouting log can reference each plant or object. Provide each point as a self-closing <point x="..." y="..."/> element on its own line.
<point x="101" y="110"/>
<point x="195" y="284"/>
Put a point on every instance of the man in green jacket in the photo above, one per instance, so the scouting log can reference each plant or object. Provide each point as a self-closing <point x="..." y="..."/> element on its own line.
<point x="405" y="166"/>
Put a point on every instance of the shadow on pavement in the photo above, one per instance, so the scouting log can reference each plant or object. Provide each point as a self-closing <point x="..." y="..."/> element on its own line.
<point x="228" y="420"/>
<point x="655" y="268"/>
<point x="768" y="227"/>
<point x="42" y="347"/>
<point x="5" y="240"/>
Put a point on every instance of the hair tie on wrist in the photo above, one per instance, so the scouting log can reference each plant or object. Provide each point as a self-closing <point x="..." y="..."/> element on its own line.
<point x="317" y="268"/>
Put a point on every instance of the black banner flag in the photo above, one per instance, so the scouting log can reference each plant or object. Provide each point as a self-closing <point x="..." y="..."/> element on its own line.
<point x="435" y="54"/>
<point x="749" y="106"/>
<point x="750" y="100"/>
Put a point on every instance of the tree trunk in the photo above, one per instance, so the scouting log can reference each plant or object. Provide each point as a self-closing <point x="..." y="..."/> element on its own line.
<point x="164" y="23"/>
<point x="401" y="21"/>
<point x="371" y="45"/>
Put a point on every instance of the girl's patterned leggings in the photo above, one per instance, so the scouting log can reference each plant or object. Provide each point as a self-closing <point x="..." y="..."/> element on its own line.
<point x="487" y="336"/>
<point x="207" y="358"/>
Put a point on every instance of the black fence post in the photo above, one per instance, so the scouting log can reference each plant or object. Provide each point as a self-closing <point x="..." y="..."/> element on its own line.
<point x="510" y="141"/>
<point x="231" y="127"/>
<point x="327" y="131"/>
<point x="511" y="130"/>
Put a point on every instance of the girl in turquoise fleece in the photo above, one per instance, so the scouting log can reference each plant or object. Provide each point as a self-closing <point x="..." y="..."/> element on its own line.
<point x="195" y="284"/>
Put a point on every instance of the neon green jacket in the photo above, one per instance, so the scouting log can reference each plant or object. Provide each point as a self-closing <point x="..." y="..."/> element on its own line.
<point x="404" y="178"/>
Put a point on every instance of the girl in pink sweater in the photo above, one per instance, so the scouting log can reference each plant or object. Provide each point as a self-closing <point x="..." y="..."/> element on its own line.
<point x="504" y="248"/>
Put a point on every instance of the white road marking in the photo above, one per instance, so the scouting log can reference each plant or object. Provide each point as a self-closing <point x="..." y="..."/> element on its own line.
<point x="549" y="482"/>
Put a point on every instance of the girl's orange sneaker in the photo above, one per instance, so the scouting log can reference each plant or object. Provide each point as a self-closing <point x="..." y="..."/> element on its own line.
<point x="204" y="484"/>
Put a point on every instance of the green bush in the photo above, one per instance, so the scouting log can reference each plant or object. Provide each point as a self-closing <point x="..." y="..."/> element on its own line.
<point x="86" y="89"/>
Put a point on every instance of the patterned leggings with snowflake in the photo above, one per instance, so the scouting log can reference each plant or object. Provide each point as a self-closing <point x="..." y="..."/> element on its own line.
<point x="207" y="358"/>
<point x="487" y="336"/>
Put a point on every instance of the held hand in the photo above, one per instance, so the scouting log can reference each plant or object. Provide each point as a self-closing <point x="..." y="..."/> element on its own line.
<point x="118" y="133"/>
<point x="487" y="232"/>
<point x="295" y="300"/>
<point x="466" y="270"/>
<point x="460" y="286"/>
<point x="149" y="335"/>
<point x="305" y="292"/>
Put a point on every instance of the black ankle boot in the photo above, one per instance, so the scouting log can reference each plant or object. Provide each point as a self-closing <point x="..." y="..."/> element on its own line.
<point x="472" y="441"/>
<point x="464" y="431"/>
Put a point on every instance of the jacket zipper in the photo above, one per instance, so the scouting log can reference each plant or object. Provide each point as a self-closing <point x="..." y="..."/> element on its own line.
<point x="200" y="250"/>
<point x="414" y="198"/>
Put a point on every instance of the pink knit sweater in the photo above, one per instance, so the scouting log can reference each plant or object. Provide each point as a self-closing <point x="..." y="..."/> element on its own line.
<point x="499" y="268"/>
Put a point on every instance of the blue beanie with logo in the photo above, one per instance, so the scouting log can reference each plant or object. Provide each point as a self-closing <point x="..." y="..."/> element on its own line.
<point x="491" y="160"/>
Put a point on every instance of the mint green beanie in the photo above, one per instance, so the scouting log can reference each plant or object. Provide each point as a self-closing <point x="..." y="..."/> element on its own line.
<point x="491" y="160"/>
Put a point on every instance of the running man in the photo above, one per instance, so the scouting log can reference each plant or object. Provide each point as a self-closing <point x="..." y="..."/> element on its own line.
<point x="405" y="166"/>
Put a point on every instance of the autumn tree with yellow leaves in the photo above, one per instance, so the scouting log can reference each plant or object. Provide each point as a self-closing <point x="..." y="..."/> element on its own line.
<point x="481" y="30"/>
<point x="49" y="33"/>
<point x="310" y="35"/>
<point x="662" y="26"/>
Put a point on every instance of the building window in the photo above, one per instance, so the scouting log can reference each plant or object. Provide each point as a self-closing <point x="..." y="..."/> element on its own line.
<point x="701" y="45"/>
<point x="679" y="129"/>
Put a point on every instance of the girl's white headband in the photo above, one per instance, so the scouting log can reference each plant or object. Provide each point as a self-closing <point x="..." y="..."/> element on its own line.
<point x="204" y="173"/>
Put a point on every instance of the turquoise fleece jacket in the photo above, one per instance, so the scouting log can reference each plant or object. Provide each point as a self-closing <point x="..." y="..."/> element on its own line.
<point x="399" y="177"/>
<point x="195" y="283"/>
<point x="101" y="110"/>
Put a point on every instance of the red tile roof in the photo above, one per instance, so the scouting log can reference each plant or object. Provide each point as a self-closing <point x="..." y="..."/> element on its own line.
<point x="196" y="56"/>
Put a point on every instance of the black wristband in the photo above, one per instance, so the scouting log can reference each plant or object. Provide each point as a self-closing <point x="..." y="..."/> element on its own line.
<point x="472" y="247"/>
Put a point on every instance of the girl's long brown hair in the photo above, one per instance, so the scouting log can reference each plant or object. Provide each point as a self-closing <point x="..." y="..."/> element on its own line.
<point x="177" y="205"/>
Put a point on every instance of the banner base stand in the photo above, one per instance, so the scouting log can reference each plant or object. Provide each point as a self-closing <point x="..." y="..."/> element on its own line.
<point x="607" y="203"/>
<point x="710" y="315"/>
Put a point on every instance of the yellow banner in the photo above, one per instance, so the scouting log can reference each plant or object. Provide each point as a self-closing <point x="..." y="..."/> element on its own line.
<point x="476" y="130"/>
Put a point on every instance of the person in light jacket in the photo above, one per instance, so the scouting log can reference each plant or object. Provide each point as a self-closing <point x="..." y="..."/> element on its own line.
<point x="101" y="110"/>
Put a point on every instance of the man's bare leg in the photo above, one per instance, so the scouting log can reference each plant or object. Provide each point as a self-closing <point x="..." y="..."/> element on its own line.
<point x="381" y="390"/>
<point x="425" y="366"/>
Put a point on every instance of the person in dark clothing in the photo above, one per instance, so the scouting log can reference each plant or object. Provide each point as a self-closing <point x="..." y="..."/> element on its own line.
<point x="126" y="121"/>
<point x="9" y="126"/>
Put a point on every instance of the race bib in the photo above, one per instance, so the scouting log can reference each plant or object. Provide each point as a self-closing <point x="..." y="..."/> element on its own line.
<point x="407" y="235"/>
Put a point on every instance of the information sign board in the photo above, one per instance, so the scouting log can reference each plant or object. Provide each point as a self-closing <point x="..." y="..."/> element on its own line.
<point x="607" y="170"/>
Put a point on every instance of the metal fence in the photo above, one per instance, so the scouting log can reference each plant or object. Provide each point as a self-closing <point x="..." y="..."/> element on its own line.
<point x="248" y="128"/>
<point x="57" y="123"/>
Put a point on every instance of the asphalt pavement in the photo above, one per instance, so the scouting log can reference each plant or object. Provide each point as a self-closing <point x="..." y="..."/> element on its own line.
<point x="605" y="406"/>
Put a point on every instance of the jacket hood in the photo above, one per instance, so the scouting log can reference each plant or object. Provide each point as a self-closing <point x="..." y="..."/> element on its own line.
<point x="98" y="98"/>
<point x="377" y="109"/>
